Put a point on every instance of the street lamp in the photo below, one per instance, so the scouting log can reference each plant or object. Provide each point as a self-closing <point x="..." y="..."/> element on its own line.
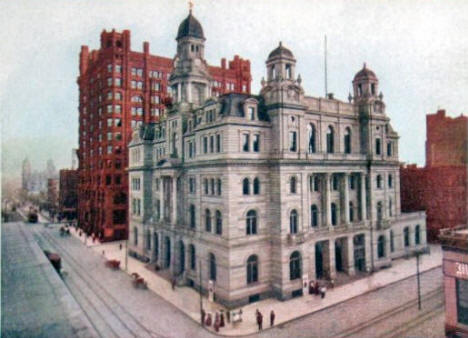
<point x="418" y="253"/>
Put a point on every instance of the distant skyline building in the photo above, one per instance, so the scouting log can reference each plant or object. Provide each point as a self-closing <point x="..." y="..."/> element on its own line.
<point x="35" y="181"/>
<point x="257" y="195"/>
<point x="26" y="174"/>
<point x="441" y="187"/>
<point x="119" y="89"/>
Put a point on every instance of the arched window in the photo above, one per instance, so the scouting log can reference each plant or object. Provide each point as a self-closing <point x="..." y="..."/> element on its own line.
<point x="417" y="235"/>
<point x="392" y="241"/>
<point x="293" y="222"/>
<point x="381" y="247"/>
<point x="347" y="141"/>
<point x="219" y="223"/>
<point x="292" y="185"/>
<point x="256" y="186"/>
<point x="379" y="211"/>
<point x="351" y="212"/>
<point x="192" y="216"/>
<point x="252" y="269"/>
<point x="390" y="181"/>
<point x="330" y="140"/>
<point x="311" y="134"/>
<point x="295" y="266"/>
<point x="251" y="223"/>
<point x="379" y="182"/>
<point x="208" y="220"/>
<point x="245" y="186"/>
<point x="314" y="215"/>
<point x="334" y="218"/>
<point x="193" y="257"/>
<point x="212" y="261"/>
<point x="406" y="236"/>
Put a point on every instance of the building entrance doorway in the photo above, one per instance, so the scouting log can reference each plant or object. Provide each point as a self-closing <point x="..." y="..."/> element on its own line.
<point x="167" y="256"/>
<point x="181" y="257"/>
<point x="339" y="255"/>
<point x="359" y="242"/>
<point x="319" y="260"/>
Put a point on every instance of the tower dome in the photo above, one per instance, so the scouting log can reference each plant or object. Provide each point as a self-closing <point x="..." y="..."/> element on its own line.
<point x="281" y="51"/>
<point x="190" y="27"/>
<point x="365" y="74"/>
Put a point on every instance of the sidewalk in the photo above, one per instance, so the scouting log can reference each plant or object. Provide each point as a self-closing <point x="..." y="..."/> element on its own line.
<point x="188" y="300"/>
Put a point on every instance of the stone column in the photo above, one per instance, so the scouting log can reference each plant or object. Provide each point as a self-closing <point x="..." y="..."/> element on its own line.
<point x="350" y="256"/>
<point x="189" y="92"/>
<point x="331" y="256"/>
<point x="161" y="198"/>
<point x="345" y="195"/>
<point x="179" y="92"/>
<point x="327" y="200"/>
<point x="363" y="197"/>
<point x="174" y="200"/>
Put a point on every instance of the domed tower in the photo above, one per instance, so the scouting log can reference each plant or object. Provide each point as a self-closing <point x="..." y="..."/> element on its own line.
<point x="369" y="104"/>
<point x="190" y="80"/>
<point x="281" y="84"/>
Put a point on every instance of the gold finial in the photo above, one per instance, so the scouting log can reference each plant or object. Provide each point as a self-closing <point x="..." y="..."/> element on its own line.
<point x="190" y="4"/>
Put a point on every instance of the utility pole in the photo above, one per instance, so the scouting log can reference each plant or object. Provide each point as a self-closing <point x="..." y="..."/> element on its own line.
<point x="126" y="254"/>
<point x="326" y="73"/>
<point x="201" y="299"/>
<point x="417" y="277"/>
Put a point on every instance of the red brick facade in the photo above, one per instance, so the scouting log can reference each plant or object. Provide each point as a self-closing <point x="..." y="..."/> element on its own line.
<point x="120" y="88"/>
<point x="68" y="193"/>
<point x="440" y="187"/>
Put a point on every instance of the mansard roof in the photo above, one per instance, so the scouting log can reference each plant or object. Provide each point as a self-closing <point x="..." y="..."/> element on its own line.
<point x="232" y="104"/>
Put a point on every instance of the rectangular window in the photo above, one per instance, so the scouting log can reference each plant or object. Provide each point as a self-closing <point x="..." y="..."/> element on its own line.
<point x="109" y="108"/>
<point x="245" y="142"/>
<point x="251" y="113"/>
<point x="109" y="81"/>
<point x="134" y="71"/>
<point x="118" y="82"/>
<point x="292" y="141"/>
<point x="462" y="301"/>
<point x="211" y="143"/>
<point x="109" y="136"/>
<point x="378" y="150"/>
<point x="109" y="68"/>
<point x="118" y="108"/>
<point x="205" y="144"/>
<point x="389" y="149"/>
<point x="256" y="143"/>
<point x="109" y="122"/>
<point x="218" y="143"/>
<point x="133" y="84"/>
<point x="118" y="68"/>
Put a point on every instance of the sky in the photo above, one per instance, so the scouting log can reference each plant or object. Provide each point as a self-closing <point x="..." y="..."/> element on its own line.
<point x="418" y="50"/>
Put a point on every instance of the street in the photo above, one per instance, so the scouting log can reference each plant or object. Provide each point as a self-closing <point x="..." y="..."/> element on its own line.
<point x="112" y="304"/>
<point x="116" y="309"/>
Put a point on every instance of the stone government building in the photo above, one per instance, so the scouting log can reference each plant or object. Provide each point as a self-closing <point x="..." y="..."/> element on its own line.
<point x="265" y="192"/>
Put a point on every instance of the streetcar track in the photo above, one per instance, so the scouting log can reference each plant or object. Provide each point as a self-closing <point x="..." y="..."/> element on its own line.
<point x="388" y="314"/>
<point x="95" y="285"/>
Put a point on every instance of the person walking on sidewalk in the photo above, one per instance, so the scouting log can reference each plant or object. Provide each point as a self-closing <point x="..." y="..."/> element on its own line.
<point x="259" y="320"/>
<point x="323" y="291"/>
<point x="173" y="283"/>
<point x="272" y="318"/>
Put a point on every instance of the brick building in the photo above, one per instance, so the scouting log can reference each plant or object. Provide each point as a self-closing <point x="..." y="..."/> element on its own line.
<point x="118" y="90"/>
<point x="68" y="193"/>
<point x="455" y="267"/>
<point x="440" y="187"/>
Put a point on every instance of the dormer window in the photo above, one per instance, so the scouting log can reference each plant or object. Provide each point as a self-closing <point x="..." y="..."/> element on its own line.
<point x="251" y="113"/>
<point x="373" y="88"/>
<point x="359" y="89"/>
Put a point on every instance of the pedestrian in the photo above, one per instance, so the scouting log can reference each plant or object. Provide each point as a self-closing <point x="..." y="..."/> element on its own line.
<point x="228" y="316"/>
<point x="332" y="283"/>
<point x="216" y="322"/>
<point x="120" y="246"/>
<point x="221" y="319"/>
<point x="272" y="318"/>
<point x="323" y="291"/>
<point x="316" y="287"/>
<point x="203" y="314"/>
<point x="259" y="321"/>
<point x="173" y="283"/>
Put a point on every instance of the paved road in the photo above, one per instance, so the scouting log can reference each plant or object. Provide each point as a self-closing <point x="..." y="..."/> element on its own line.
<point x="118" y="310"/>
<point x="350" y="318"/>
<point x="114" y="307"/>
